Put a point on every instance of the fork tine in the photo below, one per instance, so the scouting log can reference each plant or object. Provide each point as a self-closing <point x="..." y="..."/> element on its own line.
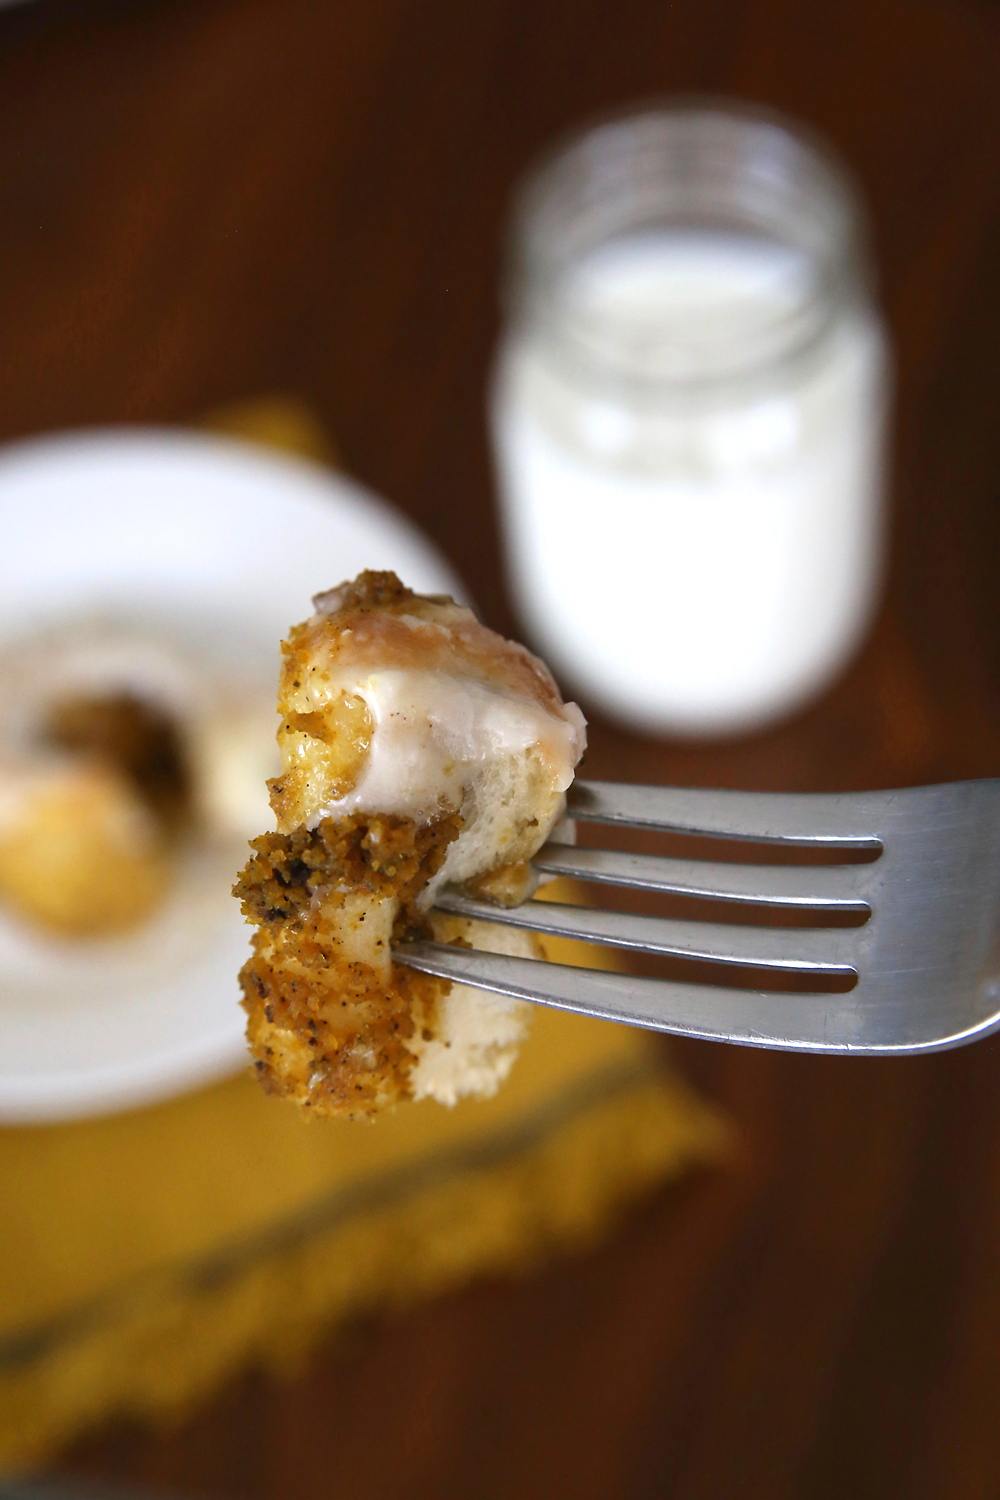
<point x="792" y="1022"/>
<point x="845" y="820"/>
<point x="614" y="997"/>
<point x="826" y="952"/>
<point x="825" y="886"/>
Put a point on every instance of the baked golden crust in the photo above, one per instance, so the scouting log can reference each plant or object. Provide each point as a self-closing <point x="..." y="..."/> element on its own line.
<point x="417" y="746"/>
<point x="329" y="1014"/>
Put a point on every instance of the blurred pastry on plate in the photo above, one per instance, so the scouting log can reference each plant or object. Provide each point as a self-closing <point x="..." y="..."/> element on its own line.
<point x="117" y="751"/>
<point x="81" y="853"/>
<point x="418" y="748"/>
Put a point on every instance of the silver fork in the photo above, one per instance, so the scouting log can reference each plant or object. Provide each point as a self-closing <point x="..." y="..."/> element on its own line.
<point x="927" y="960"/>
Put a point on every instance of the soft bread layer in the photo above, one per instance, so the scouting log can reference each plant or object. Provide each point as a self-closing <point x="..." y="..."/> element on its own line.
<point x="418" y="748"/>
<point x="476" y="1035"/>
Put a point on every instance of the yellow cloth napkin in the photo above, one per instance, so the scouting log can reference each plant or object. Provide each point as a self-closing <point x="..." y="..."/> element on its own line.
<point x="146" y="1256"/>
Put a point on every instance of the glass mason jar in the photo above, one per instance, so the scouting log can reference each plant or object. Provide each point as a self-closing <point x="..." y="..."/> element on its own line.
<point x="688" y="415"/>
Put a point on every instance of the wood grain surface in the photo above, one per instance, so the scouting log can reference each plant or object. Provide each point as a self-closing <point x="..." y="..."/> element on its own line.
<point x="209" y="199"/>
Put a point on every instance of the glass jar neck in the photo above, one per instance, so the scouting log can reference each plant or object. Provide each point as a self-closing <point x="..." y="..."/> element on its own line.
<point x="683" y="248"/>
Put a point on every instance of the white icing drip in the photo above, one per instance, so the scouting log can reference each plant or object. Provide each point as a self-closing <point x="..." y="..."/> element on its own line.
<point x="435" y="731"/>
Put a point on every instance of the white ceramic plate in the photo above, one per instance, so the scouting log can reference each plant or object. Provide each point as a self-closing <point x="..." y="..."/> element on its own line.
<point x="153" y="526"/>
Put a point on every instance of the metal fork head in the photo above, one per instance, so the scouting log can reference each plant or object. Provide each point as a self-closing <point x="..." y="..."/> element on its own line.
<point x="927" y="960"/>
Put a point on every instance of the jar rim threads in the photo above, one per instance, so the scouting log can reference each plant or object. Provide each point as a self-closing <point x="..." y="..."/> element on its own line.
<point x="700" y="168"/>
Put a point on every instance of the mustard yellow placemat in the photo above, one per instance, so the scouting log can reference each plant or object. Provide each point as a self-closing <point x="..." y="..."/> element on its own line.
<point x="146" y="1256"/>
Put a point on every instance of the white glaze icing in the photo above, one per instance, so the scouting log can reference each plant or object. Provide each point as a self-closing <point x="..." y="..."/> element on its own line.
<point x="436" y="731"/>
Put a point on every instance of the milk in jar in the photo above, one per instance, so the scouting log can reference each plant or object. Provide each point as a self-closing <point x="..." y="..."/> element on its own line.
<point x="688" y="414"/>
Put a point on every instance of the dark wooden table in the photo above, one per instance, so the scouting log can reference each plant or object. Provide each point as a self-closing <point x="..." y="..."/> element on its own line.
<point x="207" y="199"/>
